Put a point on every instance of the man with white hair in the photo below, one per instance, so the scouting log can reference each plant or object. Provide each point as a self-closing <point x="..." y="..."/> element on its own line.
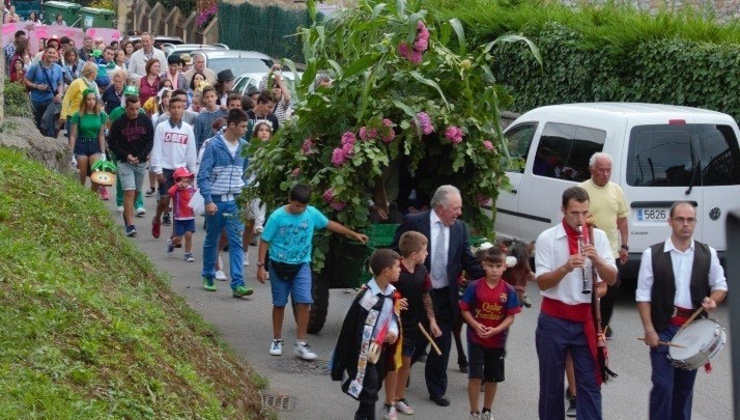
<point x="137" y="63"/>
<point x="449" y="254"/>
<point x="199" y="66"/>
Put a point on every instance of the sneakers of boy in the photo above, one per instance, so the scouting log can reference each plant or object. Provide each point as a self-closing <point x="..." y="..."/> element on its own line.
<point x="303" y="351"/>
<point x="276" y="348"/>
<point x="150" y="192"/>
<point x="389" y="412"/>
<point x="208" y="284"/>
<point x="169" y="248"/>
<point x="221" y="276"/>
<point x="189" y="257"/>
<point x="403" y="407"/>
<point x="166" y="219"/>
<point x="131" y="231"/>
<point x="242" y="291"/>
<point x="486" y="415"/>
<point x="474" y="416"/>
<point x="156" y="228"/>
<point x="571" y="411"/>
<point x="140" y="212"/>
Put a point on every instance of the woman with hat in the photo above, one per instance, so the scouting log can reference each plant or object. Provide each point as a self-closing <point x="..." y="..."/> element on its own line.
<point x="87" y="135"/>
<point x="224" y="84"/>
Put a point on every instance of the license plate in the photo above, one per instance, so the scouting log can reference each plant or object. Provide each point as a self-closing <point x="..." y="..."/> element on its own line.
<point x="659" y="215"/>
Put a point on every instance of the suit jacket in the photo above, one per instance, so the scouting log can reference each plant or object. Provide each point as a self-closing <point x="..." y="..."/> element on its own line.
<point x="459" y="256"/>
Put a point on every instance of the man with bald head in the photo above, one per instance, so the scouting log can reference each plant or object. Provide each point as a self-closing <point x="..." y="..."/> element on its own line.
<point x="137" y="63"/>
<point x="449" y="254"/>
<point x="199" y="66"/>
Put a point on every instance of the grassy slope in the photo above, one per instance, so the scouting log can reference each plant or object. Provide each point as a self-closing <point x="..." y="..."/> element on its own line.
<point x="89" y="329"/>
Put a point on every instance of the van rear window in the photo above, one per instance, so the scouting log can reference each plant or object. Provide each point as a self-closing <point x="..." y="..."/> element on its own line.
<point x="565" y="149"/>
<point x="674" y="155"/>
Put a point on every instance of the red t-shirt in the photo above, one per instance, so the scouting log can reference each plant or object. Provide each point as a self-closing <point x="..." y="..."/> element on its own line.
<point x="180" y="202"/>
<point x="489" y="306"/>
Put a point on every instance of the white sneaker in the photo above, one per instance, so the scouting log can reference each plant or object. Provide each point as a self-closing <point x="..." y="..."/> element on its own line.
<point x="221" y="276"/>
<point x="303" y="351"/>
<point x="276" y="348"/>
<point x="486" y="416"/>
<point x="140" y="212"/>
<point x="403" y="408"/>
<point x="389" y="412"/>
<point x="246" y="260"/>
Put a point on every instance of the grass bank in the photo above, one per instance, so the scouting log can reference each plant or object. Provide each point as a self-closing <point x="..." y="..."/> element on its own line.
<point x="90" y="330"/>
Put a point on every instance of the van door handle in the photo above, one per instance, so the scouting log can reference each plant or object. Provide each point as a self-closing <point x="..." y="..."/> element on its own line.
<point x="513" y="191"/>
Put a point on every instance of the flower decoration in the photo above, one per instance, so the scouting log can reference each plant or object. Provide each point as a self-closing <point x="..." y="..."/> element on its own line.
<point x="421" y="43"/>
<point x="454" y="134"/>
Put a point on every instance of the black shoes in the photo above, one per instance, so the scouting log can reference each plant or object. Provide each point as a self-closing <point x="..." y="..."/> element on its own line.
<point x="440" y="400"/>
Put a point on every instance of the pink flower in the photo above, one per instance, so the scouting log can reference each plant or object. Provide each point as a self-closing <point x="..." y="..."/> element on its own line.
<point x="295" y="172"/>
<point x="415" y="57"/>
<point x="363" y="133"/>
<point x="348" y="150"/>
<point x="389" y="137"/>
<point x="421" y="31"/>
<point x="454" y="134"/>
<point x="421" y="44"/>
<point x="403" y="49"/>
<point x="487" y="144"/>
<point x="338" y="205"/>
<point x="372" y="133"/>
<point x="387" y="122"/>
<point x="328" y="195"/>
<point x="337" y="157"/>
<point x="483" y="200"/>
<point x="426" y="123"/>
<point x="348" y="138"/>
<point x="307" y="146"/>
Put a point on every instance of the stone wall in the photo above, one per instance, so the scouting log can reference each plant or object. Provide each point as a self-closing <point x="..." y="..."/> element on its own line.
<point x="722" y="10"/>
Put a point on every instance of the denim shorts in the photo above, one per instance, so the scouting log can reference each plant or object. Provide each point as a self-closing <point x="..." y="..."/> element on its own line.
<point x="86" y="147"/>
<point x="182" y="226"/>
<point x="131" y="175"/>
<point x="165" y="186"/>
<point x="299" y="287"/>
<point x="486" y="363"/>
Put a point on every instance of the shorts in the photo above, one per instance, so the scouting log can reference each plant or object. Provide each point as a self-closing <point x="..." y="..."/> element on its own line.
<point x="131" y="175"/>
<point x="256" y="211"/>
<point x="410" y="340"/>
<point x="299" y="287"/>
<point x="485" y="363"/>
<point x="87" y="147"/>
<point x="182" y="226"/>
<point x="165" y="186"/>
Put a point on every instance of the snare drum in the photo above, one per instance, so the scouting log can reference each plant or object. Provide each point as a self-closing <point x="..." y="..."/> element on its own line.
<point x="701" y="341"/>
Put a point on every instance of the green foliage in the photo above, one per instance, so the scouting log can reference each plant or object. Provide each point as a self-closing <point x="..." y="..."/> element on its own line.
<point x="377" y="89"/>
<point x="89" y="329"/>
<point x="608" y="53"/>
<point x="17" y="102"/>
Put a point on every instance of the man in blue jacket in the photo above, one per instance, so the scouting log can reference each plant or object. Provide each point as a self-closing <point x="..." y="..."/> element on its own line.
<point x="220" y="180"/>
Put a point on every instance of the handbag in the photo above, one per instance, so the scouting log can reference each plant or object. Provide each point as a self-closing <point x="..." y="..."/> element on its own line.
<point x="286" y="272"/>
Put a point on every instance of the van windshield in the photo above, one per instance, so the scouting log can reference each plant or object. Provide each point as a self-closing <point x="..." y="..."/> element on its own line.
<point x="670" y="155"/>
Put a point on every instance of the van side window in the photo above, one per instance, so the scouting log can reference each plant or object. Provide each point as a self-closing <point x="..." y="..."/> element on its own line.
<point x="518" y="140"/>
<point x="669" y="155"/>
<point x="565" y="149"/>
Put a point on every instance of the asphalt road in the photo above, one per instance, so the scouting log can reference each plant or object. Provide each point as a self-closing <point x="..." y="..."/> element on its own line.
<point x="245" y="324"/>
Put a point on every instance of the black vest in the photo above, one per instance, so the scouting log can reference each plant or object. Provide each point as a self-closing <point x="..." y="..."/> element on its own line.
<point x="664" y="282"/>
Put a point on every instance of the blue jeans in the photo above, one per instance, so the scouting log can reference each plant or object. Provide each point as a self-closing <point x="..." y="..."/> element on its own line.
<point x="553" y="337"/>
<point x="673" y="388"/>
<point x="227" y="217"/>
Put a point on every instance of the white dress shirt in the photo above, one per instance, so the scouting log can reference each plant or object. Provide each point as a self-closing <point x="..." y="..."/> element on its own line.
<point x="436" y="228"/>
<point x="137" y="62"/>
<point x="682" y="263"/>
<point x="386" y="311"/>
<point x="551" y="251"/>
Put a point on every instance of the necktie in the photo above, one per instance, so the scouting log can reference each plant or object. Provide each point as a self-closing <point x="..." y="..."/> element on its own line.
<point x="439" y="268"/>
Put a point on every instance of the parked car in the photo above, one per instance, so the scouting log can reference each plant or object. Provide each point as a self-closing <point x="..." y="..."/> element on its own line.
<point x="661" y="154"/>
<point x="178" y="49"/>
<point x="247" y="80"/>
<point x="159" y="41"/>
<point x="238" y="61"/>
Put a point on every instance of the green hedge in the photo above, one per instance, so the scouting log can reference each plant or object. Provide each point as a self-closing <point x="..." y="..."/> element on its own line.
<point x="608" y="53"/>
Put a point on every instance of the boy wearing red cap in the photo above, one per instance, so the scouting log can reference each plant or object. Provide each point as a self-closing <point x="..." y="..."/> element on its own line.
<point x="184" y="225"/>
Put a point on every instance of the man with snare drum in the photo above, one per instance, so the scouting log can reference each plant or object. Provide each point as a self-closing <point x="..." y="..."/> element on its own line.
<point x="676" y="277"/>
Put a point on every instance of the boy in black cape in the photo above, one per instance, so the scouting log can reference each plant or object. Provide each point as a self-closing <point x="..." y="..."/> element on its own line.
<point x="369" y="332"/>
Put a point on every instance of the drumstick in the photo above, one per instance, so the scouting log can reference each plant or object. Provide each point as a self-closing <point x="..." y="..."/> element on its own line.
<point x="431" y="340"/>
<point x="666" y="343"/>
<point x="693" y="317"/>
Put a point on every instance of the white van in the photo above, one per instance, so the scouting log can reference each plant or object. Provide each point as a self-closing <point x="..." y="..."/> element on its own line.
<point x="661" y="154"/>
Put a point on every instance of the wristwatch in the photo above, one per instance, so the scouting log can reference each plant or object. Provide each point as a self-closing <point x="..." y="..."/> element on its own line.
<point x="625" y="247"/>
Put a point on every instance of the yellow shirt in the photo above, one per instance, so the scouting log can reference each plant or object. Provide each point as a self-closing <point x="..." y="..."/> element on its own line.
<point x="73" y="98"/>
<point x="606" y="205"/>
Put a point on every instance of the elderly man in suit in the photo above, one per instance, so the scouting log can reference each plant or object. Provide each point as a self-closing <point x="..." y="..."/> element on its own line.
<point x="449" y="255"/>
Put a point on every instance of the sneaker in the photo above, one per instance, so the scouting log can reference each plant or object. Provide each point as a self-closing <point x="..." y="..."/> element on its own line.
<point x="208" y="284"/>
<point x="140" y="212"/>
<point x="150" y="192"/>
<point x="389" y="412"/>
<point x="526" y="302"/>
<point x="103" y="193"/>
<point x="276" y="348"/>
<point x="169" y="246"/>
<point x="403" y="407"/>
<point x="246" y="260"/>
<point x="131" y="231"/>
<point x="609" y="332"/>
<point x="189" y="257"/>
<point x="156" y="228"/>
<point x="120" y="209"/>
<point x="474" y="416"/>
<point x="486" y="415"/>
<point x="221" y="276"/>
<point x="303" y="351"/>
<point x="571" y="411"/>
<point x="166" y="219"/>
<point x="241" y="291"/>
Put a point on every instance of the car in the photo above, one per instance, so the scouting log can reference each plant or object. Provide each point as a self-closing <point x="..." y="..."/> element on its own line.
<point x="244" y="82"/>
<point x="238" y="61"/>
<point x="179" y="49"/>
<point x="661" y="154"/>
<point x="159" y="41"/>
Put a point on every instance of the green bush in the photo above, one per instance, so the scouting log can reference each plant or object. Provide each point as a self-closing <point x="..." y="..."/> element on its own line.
<point x="608" y="53"/>
<point x="17" y="102"/>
